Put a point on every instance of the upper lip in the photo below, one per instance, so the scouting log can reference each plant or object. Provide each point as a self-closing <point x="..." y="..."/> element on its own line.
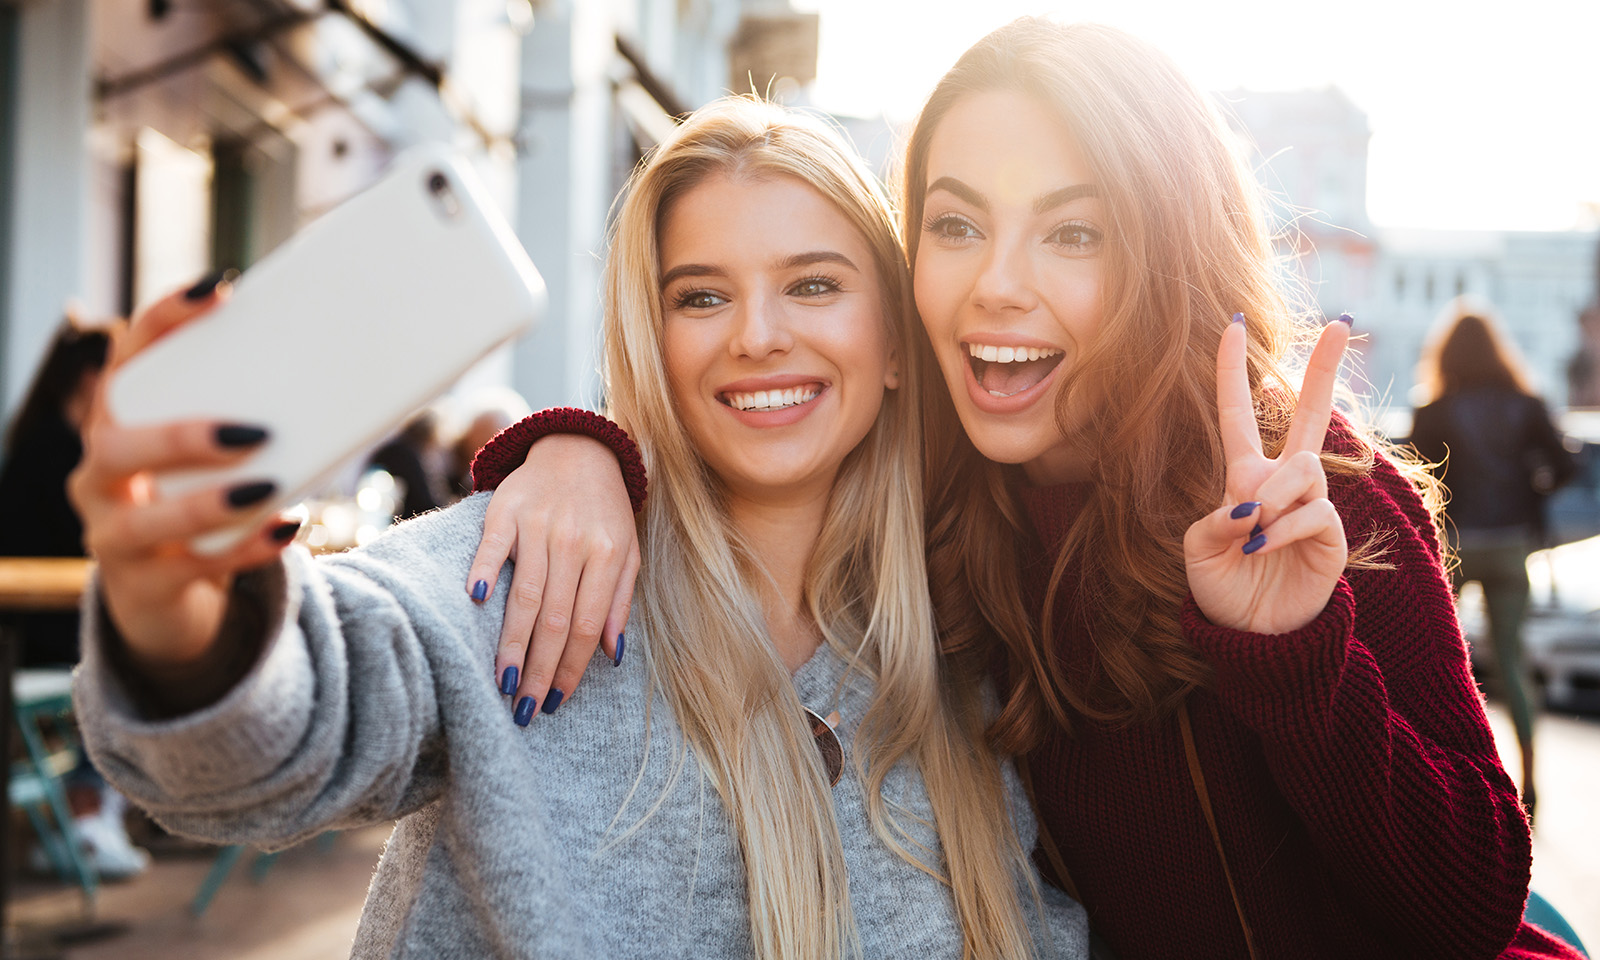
<point x="775" y="381"/>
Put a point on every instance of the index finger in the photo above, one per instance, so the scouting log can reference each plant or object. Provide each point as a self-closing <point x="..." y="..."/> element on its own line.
<point x="1314" y="410"/>
<point x="1236" y="411"/>
<point x="167" y="314"/>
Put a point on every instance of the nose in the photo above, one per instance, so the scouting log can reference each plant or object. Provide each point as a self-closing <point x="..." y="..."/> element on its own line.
<point x="761" y="329"/>
<point x="1005" y="279"/>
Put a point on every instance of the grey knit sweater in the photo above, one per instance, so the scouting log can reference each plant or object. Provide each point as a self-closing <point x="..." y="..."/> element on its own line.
<point x="374" y="699"/>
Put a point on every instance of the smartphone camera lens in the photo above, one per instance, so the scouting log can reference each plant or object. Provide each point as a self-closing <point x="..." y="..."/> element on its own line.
<point x="444" y="195"/>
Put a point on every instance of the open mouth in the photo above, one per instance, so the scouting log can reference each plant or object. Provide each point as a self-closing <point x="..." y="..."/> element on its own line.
<point x="764" y="400"/>
<point x="1007" y="371"/>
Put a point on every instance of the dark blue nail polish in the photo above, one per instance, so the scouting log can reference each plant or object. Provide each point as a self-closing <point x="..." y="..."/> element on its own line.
<point x="621" y="642"/>
<point x="246" y="494"/>
<point x="508" y="682"/>
<point x="1238" y="318"/>
<point x="1256" y="543"/>
<point x="239" y="435"/>
<point x="285" y="531"/>
<point x="1255" y="531"/>
<point x="524" y="711"/>
<point x="552" y="700"/>
<point x="1245" y="509"/>
<point x="1347" y="320"/>
<point x="480" y="590"/>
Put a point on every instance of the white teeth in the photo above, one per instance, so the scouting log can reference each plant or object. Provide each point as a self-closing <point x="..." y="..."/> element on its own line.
<point x="994" y="354"/>
<point x="772" y="399"/>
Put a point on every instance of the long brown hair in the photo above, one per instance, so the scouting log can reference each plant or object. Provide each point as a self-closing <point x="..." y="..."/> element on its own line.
<point x="1468" y="349"/>
<point x="1187" y="249"/>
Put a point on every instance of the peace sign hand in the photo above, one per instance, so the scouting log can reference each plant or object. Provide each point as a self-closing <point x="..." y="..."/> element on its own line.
<point x="1268" y="559"/>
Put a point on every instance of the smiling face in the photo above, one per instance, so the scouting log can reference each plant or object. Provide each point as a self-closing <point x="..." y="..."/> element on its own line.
<point x="775" y="341"/>
<point x="1009" y="272"/>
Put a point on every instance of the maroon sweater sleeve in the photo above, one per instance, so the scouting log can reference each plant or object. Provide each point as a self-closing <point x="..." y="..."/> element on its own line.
<point x="509" y="448"/>
<point x="1375" y="733"/>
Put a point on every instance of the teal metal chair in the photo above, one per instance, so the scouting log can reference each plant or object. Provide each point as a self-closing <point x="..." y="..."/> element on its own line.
<point x="40" y="699"/>
<point x="223" y="865"/>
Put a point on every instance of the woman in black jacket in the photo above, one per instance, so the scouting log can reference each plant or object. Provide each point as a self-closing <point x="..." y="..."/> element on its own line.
<point x="1500" y="456"/>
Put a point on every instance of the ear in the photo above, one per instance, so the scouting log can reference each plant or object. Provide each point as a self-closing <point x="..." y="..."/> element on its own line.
<point x="891" y="370"/>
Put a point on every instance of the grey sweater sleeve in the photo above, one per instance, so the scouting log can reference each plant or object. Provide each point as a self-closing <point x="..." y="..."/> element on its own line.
<point x="337" y="723"/>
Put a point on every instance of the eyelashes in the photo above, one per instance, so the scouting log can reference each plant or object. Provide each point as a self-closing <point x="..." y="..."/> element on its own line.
<point x="811" y="287"/>
<point x="1075" y="235"/>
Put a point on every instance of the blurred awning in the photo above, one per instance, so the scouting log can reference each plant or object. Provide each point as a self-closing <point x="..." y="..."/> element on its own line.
<point x="648" y="103"/>
<point x="238" y="68"/>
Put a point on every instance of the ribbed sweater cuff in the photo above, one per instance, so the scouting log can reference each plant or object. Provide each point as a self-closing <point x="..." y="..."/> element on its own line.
<point x="509" y="448"/>
<point x="1277" y="676"/>
<point x="221" y="746"/>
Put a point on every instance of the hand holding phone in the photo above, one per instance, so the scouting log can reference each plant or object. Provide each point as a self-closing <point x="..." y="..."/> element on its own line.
<point x="334" y="339"/>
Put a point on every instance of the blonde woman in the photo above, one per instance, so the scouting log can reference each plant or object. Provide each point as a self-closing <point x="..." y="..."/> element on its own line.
<point x="694" y="801"/>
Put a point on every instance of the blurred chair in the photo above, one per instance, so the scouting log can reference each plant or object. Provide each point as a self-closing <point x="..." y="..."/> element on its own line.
<point x="223" y="865"/>
<point x="40" y="698"/>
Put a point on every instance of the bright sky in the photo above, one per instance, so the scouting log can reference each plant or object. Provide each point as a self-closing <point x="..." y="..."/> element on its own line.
<point x="1483" y="115"/>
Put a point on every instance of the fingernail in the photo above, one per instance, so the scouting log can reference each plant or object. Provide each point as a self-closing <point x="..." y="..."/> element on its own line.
<point x="247" y="493"/>
<point x="207" y="285"/>
<point x="284" y="532"/>
<point x="1255" y="531"/>
<point x="524" y="711"/>
<point x="239" y="435"/>
<point x="1245" y="509"/>
<point x="480" y="590"/>
<point x="1256" y="543"/>
<point x="1347" y="320"/>
<point x="508" y="682"/>
<point x="622" y="641"/>
<point x="552" y="700"/>
<point x="1238" y="318"/>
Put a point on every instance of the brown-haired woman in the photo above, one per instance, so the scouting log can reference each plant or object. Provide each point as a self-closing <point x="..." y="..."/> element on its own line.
<point x="1245" y="737"/>
<point x="1498" y="453"/>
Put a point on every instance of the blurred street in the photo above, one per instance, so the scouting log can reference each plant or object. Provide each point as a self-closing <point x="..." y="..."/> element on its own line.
<point x="1566" y="837"/>
<point x="304" y="908"/>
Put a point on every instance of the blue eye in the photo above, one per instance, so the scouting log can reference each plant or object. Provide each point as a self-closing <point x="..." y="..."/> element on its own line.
<point x="814" y="287"/>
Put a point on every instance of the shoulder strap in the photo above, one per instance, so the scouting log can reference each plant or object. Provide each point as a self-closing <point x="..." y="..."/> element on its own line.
<point x="1204" y="795"/>
<point x="1051" y="852"/>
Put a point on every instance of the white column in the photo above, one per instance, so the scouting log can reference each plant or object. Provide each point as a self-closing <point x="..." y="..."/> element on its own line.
<point x="46" y="250"/>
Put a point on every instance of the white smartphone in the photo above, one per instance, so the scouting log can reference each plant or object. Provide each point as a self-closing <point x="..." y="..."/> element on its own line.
<point x="340" y="334"/>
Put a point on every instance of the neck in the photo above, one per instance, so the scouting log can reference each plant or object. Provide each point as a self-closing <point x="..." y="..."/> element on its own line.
<point x="1061" y="464"/>
<point x="783" y="534"/>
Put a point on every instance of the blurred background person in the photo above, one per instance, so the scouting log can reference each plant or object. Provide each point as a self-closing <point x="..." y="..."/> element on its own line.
<point x="479" y="416"/>
<point x="419" y="463"/>
<point x="1500" y="456"/>
<point x="42" y="446"/>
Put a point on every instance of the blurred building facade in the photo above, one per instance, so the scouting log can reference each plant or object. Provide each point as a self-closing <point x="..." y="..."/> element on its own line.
<point x="145" y="142"/>
<point x="1310" y="150"/>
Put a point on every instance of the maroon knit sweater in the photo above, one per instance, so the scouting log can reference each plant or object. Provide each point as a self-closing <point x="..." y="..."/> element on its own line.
<point x="1356" y="786"/>
<point x="1350" y="766"/>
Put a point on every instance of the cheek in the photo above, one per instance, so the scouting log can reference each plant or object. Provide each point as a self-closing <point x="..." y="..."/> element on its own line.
<point x="1074" y="298"/>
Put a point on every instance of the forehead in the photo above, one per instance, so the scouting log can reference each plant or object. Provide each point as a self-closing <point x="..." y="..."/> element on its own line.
<point x="743" y="219"/>
<point x="1009" y="146"/>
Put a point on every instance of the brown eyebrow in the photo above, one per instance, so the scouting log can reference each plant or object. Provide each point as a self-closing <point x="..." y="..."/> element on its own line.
<point x="690" y="270"/>
<point x="816" y="256"/>
<point x="1049" y="201"/>
<point x="1065" y="195"/>
<point x="787" y="263"/>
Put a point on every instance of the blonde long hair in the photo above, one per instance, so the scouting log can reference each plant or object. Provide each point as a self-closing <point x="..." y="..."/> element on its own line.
<point x="865" y="584"/>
